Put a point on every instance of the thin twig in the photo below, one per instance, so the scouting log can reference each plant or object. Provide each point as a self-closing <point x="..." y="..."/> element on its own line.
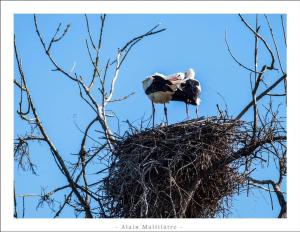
<point x="235" y="59"/>
<point x="283" y="29"/>
<point x="271" y="66"/>
<point x="275" y="44"/>
<point x="122" y="98"/>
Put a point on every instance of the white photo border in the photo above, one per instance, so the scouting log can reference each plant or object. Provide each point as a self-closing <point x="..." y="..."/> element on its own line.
<point x="9" y="8"/>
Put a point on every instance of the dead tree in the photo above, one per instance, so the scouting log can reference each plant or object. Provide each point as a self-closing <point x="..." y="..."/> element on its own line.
<point x="159" y="181"/>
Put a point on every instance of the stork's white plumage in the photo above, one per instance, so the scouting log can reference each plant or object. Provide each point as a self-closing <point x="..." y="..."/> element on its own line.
<point x="159" y="90"/>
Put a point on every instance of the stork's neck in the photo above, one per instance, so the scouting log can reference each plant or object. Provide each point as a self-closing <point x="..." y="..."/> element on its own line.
<point x="147" y="83"/>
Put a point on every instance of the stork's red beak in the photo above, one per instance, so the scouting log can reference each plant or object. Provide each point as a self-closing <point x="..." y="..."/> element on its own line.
<point x="174" y="78"/>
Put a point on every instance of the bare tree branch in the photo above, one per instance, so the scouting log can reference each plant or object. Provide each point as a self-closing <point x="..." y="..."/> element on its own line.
<point x="283" y="29"/>
<point x="260" y="96"/>
<point x="279" y="194"/>
<point x="15" y="202"/>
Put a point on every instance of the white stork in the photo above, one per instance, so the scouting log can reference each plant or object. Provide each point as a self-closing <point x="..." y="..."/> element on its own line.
<point x="159" y="90"/>
<point x="188" y="91"/>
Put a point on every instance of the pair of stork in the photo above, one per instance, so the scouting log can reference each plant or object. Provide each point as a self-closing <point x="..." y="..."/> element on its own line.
<point x="182" y="87"/>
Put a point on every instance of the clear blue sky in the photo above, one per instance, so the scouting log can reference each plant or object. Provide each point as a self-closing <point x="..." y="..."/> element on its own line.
<point x="190" y="41"/>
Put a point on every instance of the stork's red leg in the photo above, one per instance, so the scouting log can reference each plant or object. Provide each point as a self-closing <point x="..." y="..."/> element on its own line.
<point x="153" y="113"/>
<point x="186" y="110"/>
<point x="166" y="115"/>
<point x="197" y="111"/>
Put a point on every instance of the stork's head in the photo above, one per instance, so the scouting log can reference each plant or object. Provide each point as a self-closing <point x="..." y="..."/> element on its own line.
<point x="190" y="74"/>
<point x="147" y="82"/>
<point x="180" y="76"/>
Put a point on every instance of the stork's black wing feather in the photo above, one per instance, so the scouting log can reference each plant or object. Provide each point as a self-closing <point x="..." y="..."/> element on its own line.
<point x="180" y="94"/>
<point x="161" y="80"/>
<point x="192" y="87"/>
<point x="188" y="92"/>
<point x="159" y="84"/>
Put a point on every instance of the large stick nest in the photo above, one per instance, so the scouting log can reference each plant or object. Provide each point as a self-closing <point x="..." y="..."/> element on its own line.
<point x="171" y="171"/>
